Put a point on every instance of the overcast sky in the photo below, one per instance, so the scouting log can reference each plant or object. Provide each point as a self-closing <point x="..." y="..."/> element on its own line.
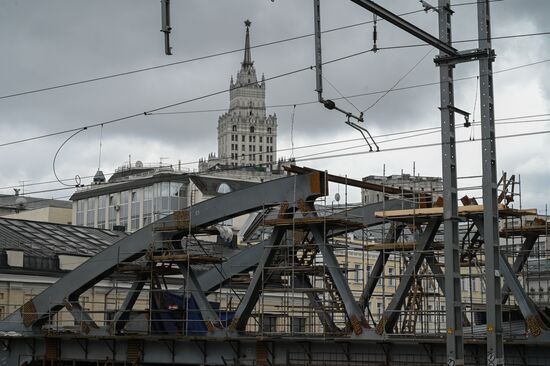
<point x="52" y="42"/>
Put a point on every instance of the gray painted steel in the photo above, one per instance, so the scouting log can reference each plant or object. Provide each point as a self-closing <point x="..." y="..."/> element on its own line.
<point x="521" y="259"/>
<point x="407" y="27"/>
<point x="253" y="291"/>
<point x="134" y="246"/>
<point x="352" y="308"/>
<point x="495" y="346"/>
<point x="378" y="268"/>
<point x="391" y="314"/>
<point x="453" y="293"/>
<point x="526" y="305"/>
<point x="286" y="351"/>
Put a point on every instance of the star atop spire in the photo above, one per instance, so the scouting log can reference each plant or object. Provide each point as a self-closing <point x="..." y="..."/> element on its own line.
<point x="247" y="61"/>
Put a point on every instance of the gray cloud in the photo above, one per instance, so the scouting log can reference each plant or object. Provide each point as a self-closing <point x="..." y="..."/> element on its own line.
<point x="59" y="41"/>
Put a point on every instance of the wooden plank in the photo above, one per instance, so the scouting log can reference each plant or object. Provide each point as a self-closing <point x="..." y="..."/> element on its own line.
<point x="462" y="210"/>
<point x="400" y="246"/>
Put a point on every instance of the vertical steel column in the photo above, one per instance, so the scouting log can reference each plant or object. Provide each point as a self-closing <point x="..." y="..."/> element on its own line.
<point x="453" y="300"/>
<point x="495" y="348"/>
<point x="318" y="59"/>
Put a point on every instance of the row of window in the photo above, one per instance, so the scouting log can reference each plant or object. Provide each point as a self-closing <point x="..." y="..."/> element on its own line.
<point x="235" y="147"/>
<point x="251" y="129"/>
<point x="251" y="138"/>
<point x="132" y="209"/>
<point x="235" y="156"/>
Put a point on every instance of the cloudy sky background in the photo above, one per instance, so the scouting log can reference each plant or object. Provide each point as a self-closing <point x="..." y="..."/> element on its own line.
<point x="53" y="42"/>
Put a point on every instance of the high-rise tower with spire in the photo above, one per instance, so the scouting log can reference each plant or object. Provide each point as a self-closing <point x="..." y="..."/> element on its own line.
<point x="246" y="135"/>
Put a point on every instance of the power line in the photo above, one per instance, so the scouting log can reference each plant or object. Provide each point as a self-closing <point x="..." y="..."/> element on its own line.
<point x="217" y="54"/>
<point x="414" y="86"/>
<point x="151" y="111"/>
<point x="410" y="147"/>
<point x="200" y="58"/>
<point x="419" y="132"/>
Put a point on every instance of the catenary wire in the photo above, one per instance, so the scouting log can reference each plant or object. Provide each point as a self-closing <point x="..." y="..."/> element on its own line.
<point x="152" y="111"/>
<point x="399" y="148"/>
<point x="499" y="121"/>
<point x="200" y="58"/>
<point x="414" y="86"/>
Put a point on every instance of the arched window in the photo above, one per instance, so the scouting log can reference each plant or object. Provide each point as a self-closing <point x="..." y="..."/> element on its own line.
<point x="251" y="129"/>
<point x="269" y="130"/>
<point x="234" y="127"/>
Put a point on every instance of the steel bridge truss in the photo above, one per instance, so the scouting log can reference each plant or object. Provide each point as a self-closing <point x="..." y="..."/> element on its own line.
<point x="298" y="249"/>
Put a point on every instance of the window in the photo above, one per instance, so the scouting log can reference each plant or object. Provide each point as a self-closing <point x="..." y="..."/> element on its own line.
<point x="101" y="211"/>
<point x="357" y="273"/>
<point x="379" y="309"/>
<point x="234" y="128"/>
<point x="243" y="148"/>
<point x="261" y="139"/>
<point x="113" y="209"/>
<point x="269" y="130"/>
<point x="261" y="148"/>
<point x="134" y="222"/>
<point x="249" y="138"/>
<point x="147" y="205"/>
<point x="90" y="214"/>
<point x="123" y="208"/>
<point x="243" y="138"/>
<point x="297" y="324"/>
<point x="251" y="129"/>
<point x="269" y="323"/>
<point x="261" y="158"/>
<point x="80" y="212"/>
<point x="391" y="279"/>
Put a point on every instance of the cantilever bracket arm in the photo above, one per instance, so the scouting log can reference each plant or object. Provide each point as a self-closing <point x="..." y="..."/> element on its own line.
<point x="406" y="26"/>
<point x="355" y="126"/>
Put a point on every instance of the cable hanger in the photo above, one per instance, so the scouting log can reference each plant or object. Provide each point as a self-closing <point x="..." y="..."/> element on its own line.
<point x="77" y="178"/>
<point x="330" y="104"/>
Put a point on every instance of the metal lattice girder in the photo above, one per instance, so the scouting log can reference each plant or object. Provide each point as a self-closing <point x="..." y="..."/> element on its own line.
<point x="81" y="316"/>
<point x="208" y="314"/>
<point x="527" y="307"/>
<point x="519" y="262"/>
<point x="406" y="26"/>
<point x="391" y="314"/>
<point x="254" y="288"/>
<point x="378" y="268"/>
<point x="364" y="215"/>
<point x="354" y="313"/>
<point x="223" y="207"/>
<point x="303" y="281"/>
<point x="123" y="313"/>
<point x="249" y="257"/>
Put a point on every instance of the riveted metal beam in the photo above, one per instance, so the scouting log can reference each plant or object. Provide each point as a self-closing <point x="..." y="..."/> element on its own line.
<point x="391" y="313"/>
<point x="407" y="26"/>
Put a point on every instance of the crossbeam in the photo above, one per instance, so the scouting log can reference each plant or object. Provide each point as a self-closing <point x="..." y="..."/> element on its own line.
<point x="406" y="26"/>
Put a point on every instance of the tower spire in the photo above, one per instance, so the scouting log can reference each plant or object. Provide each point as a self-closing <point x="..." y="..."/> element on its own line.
<point x="247" y="61"/>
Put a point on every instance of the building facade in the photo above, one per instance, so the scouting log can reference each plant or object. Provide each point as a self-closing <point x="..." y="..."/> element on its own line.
<point x="246" y="134"/>
<point x="136" y="196"/>
<point x="407" y="182"/>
